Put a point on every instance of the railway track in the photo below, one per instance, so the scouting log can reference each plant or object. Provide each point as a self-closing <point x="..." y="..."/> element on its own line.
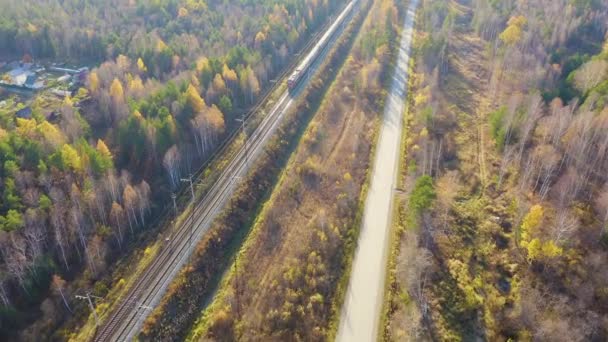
<point x="172" y="255"/>
<point x="125" y="321"/>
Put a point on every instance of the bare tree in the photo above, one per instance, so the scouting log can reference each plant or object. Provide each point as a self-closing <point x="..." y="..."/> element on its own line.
<point x="130" y="201"/>
<point x="590" y="74"/>
<point x="96" y="253"/>
<point x="171" y="163"/>
<point x="413" y="268"/>
<point x="533" y="114"/>
<point x="143" y="203"/>
<point x="15" y="259"/>
<point x="601" y="206"/>
<point x="94" y="201"/>
<point x="564" y="226"/>
<point x="3" y="292"/>
<point x="117" y="214"/>
<point x="58" y="285"/>
<point x="34" y="232"/>
<point x="58" y="222"/>
<point x="112" y="186"/>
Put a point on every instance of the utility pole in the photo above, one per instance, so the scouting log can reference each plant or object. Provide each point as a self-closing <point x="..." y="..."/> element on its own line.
<point x="189" y="179"/>
<point x="173" y="197"/>
<point x="243" y="122"/>
<point x="91" y="306"/>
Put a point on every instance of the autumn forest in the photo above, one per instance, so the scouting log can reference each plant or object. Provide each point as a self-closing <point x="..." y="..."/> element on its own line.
<point x="256" y="127"/>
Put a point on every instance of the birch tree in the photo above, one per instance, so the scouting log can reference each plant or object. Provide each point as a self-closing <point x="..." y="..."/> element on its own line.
<point x="58" y="285"/>
<point x="171" y="163"/>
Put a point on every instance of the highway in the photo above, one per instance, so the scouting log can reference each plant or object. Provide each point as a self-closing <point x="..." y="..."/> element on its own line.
<point x="360" y="313"/>
<point x="125" y="322"/>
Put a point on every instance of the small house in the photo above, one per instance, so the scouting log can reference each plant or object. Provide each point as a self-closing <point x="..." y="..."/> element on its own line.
<point x="18" y="76"/>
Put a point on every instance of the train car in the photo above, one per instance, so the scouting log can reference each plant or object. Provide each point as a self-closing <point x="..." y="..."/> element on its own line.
<point x="295" y="78"/>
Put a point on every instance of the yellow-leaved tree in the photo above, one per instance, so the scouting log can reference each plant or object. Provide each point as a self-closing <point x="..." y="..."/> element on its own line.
<point x="136" y="85"/>
<point x="229" y="76"/>
<point x="52" y="135"/>
<point x="141" y="65"/>
<point x="260" y="37"/>
<point x="26" y="127"/>
<point x="93" y="81"/>
<point x="138" y="116"/>
<point x="531" y="222"/>
<point x="535" y="247"/>
<point x="70" y="158"/>
<point x="160" y="45"/>
<point x="215" y="118"/>
<point x="103" y="149"/>
<point x="194" y="101"/>
<point x="116" y="91"/>
<point x="202" y="63"/>
<point x="182" y="12"/>
<point x="218" y="84"/>
<point x="513" y="33"/>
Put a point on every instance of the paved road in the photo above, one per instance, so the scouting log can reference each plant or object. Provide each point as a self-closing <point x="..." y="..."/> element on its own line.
<point x="361" y="311"/>
<point x="125" y="322"/>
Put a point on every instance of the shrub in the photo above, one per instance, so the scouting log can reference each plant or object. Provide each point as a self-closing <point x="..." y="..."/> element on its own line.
<point x="496" y="127"/>
<point x="423" y="194"/>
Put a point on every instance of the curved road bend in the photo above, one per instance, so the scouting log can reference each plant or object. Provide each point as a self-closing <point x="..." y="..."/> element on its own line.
<point x="125" y="322"/>
<point x="361" y="311"/>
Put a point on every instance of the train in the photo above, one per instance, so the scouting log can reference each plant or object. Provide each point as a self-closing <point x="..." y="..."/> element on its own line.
<point x="304" y="66"/>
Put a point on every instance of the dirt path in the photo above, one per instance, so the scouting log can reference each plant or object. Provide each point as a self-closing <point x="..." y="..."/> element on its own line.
<point x="468" y="62"/>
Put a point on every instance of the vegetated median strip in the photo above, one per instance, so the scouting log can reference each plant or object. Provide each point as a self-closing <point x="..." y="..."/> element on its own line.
<point x="361" y="311"/>
<point x="215" y="252"/>
<point x="400" y="198"/>
<point x="203" y="178"/>
<point x="398" y="223"/>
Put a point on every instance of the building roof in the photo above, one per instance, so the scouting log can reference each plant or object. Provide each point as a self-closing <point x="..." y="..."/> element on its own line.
<point x="30" y="81"/>
<point x="24" y="113"/>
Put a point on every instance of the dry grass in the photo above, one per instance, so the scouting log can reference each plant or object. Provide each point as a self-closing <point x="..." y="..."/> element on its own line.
<point x="314" y="184"/>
